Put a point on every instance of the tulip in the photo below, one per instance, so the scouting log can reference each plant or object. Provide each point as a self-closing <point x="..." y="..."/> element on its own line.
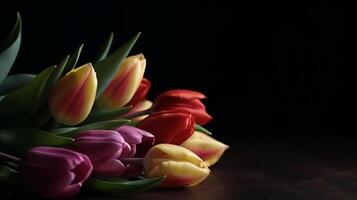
<point x="141" y="92"/>
<point x="187" y="100"/>
<point x="206" y="147"/>
<point x="55" y="173"/>
<point x="125" y="83"/>
<point x="139" y="107"/>
<point x="181" y="166"/>
<point x="72" y="98"/>
<point x="135" y="136"/>
<point x="172" y="127"/>
<point x="106" y="148"/>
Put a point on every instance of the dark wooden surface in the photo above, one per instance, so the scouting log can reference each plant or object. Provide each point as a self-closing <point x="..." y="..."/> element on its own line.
<point x="320" y="168"/>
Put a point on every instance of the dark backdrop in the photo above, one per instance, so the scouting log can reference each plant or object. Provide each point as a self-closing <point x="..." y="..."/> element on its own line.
<point x="268" y="69"/>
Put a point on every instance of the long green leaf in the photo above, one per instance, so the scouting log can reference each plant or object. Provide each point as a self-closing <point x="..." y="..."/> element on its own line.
<point x="119" y="188"/>
<point x="73" y="60"/>
<point x="42" y="112"/>
<point x="104" y="50"/>
<point x="14" y="82"/>
<point x="20" y="104"/>
<point x="10" y="49"/>
<point x="106" y="125"/>
<point x="19" y="140"/>
<point x="107" y="68"/>
<point x="107" y="114"/>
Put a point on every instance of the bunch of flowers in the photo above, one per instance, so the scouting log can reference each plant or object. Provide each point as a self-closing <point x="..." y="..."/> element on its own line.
<point x="91" y="126"/>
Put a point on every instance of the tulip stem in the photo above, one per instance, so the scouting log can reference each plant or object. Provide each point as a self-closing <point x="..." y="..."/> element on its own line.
<point x="137" y="114"/>
<point x="10" y="158"/>
<point x="132" y="160"/>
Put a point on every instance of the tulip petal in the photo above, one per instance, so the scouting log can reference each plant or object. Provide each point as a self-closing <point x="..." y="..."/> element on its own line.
<point x="207" y="148"/>
<point x="112" y="168"/>
<point x="179" y="174"/>
<point x="182" y="94"/>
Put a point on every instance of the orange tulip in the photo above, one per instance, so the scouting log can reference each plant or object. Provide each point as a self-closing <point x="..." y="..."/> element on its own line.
<point x="72" y="98"/>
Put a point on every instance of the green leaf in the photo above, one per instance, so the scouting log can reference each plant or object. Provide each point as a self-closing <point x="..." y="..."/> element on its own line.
<point x="107" y="114"/>
<point x="42" y="112"/>
<point x="118" y="188"/>
<point x="202" y="129"/>
<point x="14" y="82"/>
<point x="10" y="49"/>
<point x="19" y="140"/>
<point x="107" y="68"/>
<point x="106" y="125"/>
<point x="104" y="50"/>
<point x="20" y="104"/>
<point x="73" y="60"/>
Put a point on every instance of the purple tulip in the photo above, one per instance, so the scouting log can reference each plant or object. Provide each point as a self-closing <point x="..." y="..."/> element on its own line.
<point x="134" y="137"/>
<point x="55" y="173"/>
<point x="106" y="149"/>
<point x="138" y="140"/>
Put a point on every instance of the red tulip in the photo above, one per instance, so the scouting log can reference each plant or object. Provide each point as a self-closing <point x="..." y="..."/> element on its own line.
<point x="55" y="173"/>
<point x="141" y="92"/>
<point x="186" y="100"/>
<point x="171" y="126"/>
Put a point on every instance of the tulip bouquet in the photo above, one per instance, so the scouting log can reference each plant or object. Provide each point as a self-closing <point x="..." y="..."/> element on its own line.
<point x="90" y="127"/>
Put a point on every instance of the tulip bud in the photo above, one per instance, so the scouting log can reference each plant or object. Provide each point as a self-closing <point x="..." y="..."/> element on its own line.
<point x="106" y="148"/>
<point x="141" y="92"/>
<point x="206" y="147"/>
<point x="72" y="98"/>
<point x="181" y="166"/>
<point x="140" y="106"/>
<point x="125" y="83"/>
<point x="186" y="100"/>
<point x="55" y="173"/>
<point x="103" y="147"/>
<point x="172" y="127"/>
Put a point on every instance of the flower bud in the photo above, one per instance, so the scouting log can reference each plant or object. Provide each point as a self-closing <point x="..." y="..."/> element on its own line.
<point x="172" y="127"/>
<point x="72" y="98"/>
<point x="181" y="166"/>
<point x="106" y="149"/>
<point x="55" y="173"/>
<point x="103" y="147"/>
<point x="125" y="83"/>
<point x="206" y="147"/>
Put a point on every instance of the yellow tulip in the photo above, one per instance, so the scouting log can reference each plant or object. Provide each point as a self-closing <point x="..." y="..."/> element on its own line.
<point x="181" y="166"/>
<point x="206" y="147"/>
<point x="125" y="83"/>
<point x="72" y="98"/>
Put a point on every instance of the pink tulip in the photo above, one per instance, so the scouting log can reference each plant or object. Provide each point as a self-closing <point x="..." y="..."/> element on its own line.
<point x="55" y="173"/>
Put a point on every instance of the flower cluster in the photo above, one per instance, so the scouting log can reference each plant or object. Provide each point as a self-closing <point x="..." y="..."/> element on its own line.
<point x="93" y="124"/>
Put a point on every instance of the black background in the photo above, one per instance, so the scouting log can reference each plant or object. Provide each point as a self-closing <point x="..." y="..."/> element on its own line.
<point x="268" y="69"/>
